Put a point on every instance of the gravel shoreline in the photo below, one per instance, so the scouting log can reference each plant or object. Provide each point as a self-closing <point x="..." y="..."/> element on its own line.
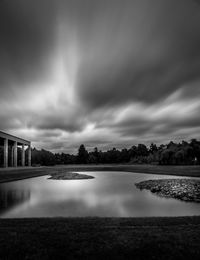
<point x="183" y="189"/>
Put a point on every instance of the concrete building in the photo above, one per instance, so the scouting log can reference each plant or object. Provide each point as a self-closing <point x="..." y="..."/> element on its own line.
<point x="10" y="144"/>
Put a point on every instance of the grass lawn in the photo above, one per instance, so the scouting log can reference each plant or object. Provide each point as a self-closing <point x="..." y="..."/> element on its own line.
<point x="21" y="173"/>
<point x="100" y="238"/>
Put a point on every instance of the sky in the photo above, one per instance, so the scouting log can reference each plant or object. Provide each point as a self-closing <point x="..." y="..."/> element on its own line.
<point x="107" y="73"/>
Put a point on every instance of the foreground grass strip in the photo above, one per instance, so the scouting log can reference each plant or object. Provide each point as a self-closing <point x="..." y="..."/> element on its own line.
<point x="100" y="238"/>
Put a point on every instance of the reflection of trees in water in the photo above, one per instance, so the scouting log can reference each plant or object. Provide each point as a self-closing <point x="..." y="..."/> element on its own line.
<point x="11" y="198"/>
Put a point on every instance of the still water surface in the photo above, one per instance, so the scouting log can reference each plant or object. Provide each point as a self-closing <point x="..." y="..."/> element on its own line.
<point x="110" y="194"/>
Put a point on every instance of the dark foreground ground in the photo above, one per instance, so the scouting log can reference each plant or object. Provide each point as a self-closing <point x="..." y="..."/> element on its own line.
<point x="21" y="173"/>
<point x="100" y="238"/>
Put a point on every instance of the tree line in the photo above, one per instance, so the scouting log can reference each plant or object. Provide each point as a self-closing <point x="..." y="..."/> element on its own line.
<point x="184" y="153"/>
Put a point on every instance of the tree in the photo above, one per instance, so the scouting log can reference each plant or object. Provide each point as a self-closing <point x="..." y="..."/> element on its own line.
<point x="153" y="148"/>
<point x="196" y="150"/>
<point x="96" y="155"/>
<point x="42" y="157"/>
<point x="124" y="155"/>
<point x="142" y="150"/>
<point x="82" y="154"/>
<point x="133" y="152"/>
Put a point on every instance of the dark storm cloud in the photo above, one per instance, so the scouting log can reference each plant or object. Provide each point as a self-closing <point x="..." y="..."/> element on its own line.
<point x="26" y="38"/>
<point x="99" y="72"/>
<point x="153" y="59"/>
<point x="75" y="124"/>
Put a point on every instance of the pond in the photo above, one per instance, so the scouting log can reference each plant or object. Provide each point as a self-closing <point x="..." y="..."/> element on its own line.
<point x="109" y="194"/>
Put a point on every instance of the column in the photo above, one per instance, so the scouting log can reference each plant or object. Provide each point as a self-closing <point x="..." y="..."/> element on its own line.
<point x="5" y="152"/>
<point x="23" y="155"/>
<point x="15" y="154"/>
<point x="12" y="156"/>
<point x="29" y="155"/>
